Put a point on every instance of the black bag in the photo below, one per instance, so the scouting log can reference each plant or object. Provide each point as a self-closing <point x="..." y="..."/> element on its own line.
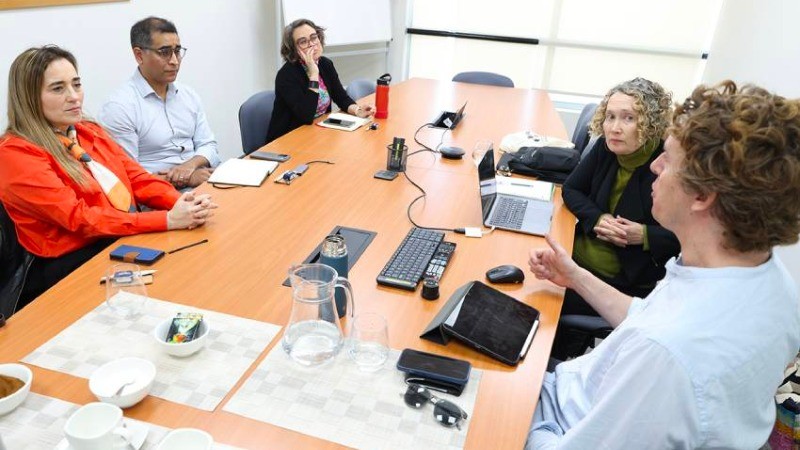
<point x="552" y="164"/>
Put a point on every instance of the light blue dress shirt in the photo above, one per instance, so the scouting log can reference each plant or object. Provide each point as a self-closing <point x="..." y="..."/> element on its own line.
<point x="159" y="134"/>
<point x="695" y="365"/>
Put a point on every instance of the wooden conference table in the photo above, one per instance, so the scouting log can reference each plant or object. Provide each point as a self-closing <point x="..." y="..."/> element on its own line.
<point x="257" y="233"/>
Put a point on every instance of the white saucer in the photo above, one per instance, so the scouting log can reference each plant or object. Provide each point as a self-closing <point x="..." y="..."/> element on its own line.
<point x="139" y="435"/>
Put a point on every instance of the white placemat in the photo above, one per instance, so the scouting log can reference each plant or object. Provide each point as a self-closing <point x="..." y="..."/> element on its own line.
<point x="201" y="380"/>
<point x="339" y="403"/>
<point x="38" y="423"/>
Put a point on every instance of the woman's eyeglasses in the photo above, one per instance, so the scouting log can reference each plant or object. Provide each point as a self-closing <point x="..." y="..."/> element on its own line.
<point x="304" y="43"/>
<point x="445" y="412"/>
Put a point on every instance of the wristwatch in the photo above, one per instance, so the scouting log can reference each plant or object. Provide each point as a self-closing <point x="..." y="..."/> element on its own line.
<point x="313" y="84"/>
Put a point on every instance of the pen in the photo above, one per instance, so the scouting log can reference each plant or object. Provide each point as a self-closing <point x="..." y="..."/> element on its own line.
<point x="142" y="273"/>
<point x="187" y="246"/>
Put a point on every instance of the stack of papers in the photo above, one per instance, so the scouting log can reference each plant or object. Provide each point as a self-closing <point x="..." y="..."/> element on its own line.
<point x="242" y="172"/>
<point x="340" y="121"/>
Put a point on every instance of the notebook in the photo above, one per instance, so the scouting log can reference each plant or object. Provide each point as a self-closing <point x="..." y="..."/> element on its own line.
<point x="242" y="172"/>
<point x="344" y="122"/>
<point x="449" y="119"/>
<point x="528" y="212"/>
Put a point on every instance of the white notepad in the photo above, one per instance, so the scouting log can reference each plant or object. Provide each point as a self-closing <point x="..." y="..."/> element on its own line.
<point x="351" y="122"/>
<point x="243" y="172"/>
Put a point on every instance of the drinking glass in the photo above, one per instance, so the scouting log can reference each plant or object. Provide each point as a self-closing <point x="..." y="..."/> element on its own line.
<point x="369" y="341"/>
<point x="479" y="150"/>
<point x="126" y="293"/>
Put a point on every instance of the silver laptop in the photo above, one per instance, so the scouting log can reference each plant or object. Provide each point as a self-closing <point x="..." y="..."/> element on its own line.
<point x="510" y="212"/>
<point x="448" y="119"/>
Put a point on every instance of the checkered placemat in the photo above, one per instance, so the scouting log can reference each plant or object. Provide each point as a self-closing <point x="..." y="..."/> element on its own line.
<point x="339" y="403"/>
<point x="38" y="423"/>
<point x="201" y="380"/>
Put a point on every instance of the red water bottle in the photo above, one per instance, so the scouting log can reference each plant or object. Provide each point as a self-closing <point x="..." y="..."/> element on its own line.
<point x="382" y="96"/>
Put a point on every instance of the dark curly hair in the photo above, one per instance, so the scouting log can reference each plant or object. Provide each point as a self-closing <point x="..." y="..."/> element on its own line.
<point x="744" y="146"/>
<point x="288" y="49"/>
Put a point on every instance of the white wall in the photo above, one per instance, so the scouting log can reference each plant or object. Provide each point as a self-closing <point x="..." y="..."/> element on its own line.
<point x="759" y="42"/>
<point x="232" y="50"/>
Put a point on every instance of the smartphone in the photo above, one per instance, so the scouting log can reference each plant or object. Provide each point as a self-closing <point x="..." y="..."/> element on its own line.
<point x="432" y="366"/>
<point x="386" y="175"/>
<point x="138" y="255"/>
<point x="343" y="123"/>
<point x="269" y="156"/>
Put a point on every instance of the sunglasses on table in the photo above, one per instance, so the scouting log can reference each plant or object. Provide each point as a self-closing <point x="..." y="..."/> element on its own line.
<point x="445" y="412"/>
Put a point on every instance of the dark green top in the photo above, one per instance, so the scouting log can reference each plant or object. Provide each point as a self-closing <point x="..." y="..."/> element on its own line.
<point x="601" y="256"/>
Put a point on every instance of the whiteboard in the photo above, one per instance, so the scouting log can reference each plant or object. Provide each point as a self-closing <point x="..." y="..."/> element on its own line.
<point x="345" y="21"/>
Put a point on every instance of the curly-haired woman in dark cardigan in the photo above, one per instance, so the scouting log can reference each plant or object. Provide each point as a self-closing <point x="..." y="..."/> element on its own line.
<point x="307" y="83"/>
<point x="617" y="238"/>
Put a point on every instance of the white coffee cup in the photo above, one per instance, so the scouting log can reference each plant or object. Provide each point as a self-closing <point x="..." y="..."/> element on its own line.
<point x="186" y="439"/>
<point x="96" y="426"/>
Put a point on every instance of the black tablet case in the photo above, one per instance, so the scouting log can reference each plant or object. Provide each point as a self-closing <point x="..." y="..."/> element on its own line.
<point x="489" y="321"/>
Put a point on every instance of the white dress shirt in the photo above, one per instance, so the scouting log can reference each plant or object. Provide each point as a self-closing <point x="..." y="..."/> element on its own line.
<point x="159" y="134"/>
<point x="695" y="365"/>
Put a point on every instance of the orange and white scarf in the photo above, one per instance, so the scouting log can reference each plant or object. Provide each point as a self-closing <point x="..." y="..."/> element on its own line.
<point x="116" y="192"/>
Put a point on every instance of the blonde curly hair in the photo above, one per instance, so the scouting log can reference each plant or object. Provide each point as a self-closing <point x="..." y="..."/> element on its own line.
<point x="744" y="146"/>
<point x="651" y="102"/>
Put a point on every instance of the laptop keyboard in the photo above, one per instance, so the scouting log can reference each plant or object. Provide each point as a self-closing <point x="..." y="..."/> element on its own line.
<point x="508" y="213"/>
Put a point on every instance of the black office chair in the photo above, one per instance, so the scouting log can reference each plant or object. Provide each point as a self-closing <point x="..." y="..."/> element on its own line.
<point x="577" y="333"/>
<point x="254" y="116"/>
<point x="14" y="264"/>
<point x="487" y="78"/>
<point x="580" y="136"/>
<point x="360" y="88"/>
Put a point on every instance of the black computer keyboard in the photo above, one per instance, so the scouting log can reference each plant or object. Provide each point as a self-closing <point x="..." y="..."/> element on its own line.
<point x="410" y="261"/>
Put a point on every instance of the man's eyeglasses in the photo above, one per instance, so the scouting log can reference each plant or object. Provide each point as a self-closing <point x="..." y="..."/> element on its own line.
<point x="445" y="412"/>
<point x="304" y="43"/>
<point x="167" y="52"/>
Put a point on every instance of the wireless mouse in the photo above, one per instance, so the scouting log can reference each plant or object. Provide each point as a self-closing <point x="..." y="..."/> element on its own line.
<point x="505" y="274"/>
<point x="451" y="152"/>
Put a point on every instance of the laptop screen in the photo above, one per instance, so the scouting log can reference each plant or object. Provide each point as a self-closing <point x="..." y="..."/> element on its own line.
<point x="487" y="183"/>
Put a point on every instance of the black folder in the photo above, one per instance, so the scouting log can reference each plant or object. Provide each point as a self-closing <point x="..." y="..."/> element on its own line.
<point x="487" y="320"/>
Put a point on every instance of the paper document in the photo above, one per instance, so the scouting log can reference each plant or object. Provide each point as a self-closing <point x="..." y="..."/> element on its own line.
<point x="520" y="187"/>
<point x="340" y="121"/>
<point x="243" y="172"/>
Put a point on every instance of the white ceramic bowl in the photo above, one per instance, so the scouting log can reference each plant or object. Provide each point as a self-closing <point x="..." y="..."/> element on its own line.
<point x="106" y="381"/>
<point x="184" y="348"/>
<point x="186" y="438"/>
<point x="10" y="402"/>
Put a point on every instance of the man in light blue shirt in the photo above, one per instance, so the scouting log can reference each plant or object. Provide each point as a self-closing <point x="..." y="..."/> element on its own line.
<point x="159" y="122"/>
<point x="696" y="364"/>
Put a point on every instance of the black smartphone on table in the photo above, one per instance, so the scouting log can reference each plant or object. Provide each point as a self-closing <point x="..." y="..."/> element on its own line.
<point x="270" y="156"/>
<point x="436" y="367"/>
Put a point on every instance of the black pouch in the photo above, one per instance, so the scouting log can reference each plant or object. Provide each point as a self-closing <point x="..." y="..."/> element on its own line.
<point x="553" y="164"/>
<point x="436" y="385"/>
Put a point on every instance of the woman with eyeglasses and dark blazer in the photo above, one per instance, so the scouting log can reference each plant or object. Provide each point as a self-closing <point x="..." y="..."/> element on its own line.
<point x="307" y="84"/>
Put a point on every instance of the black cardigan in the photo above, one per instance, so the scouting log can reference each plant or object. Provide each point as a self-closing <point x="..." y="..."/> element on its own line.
<point x="296" y="104"/>
<point x="586" y="193"/>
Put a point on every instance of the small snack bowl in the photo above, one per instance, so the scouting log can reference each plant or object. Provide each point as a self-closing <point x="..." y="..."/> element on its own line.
<point x="23" y="373"/>
<point x="181" y="349"/>
<point x="123" y="382"/>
